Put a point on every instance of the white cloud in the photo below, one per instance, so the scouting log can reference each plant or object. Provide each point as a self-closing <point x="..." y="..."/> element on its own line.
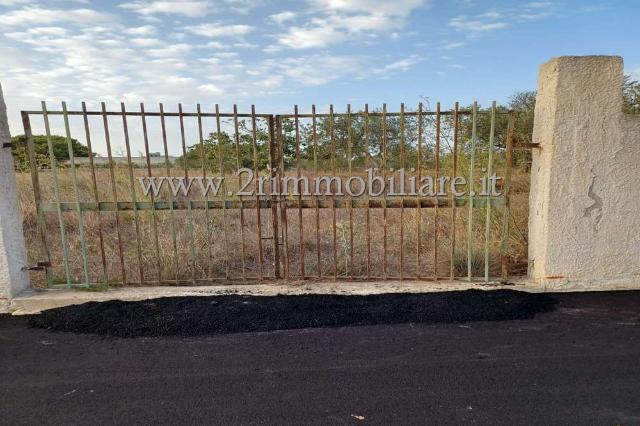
<point x="211" y="89"/>
<point x="316" y="36"/>
<point x="242" y="6"/>
<point x="35" y="32"/>
<point x="535" y="10"/>
<point x="539" y="4"/>
<point x="383" y="7"/>
<point x="453" y="45"/>
<point x="13" y="2"/>
<point x="219" y="30"/>
<point x="170" y="50"/>
<point x="191" y="9"/>
<point x="398" y="66"/>
<point x="318" y="70"/>
<point x="481" y="23"/>
<point x="145" y="30"/>
<point x="36" y="16"/>
<point x="145" y="41"/>
<point x="335" y="21"/>
<point x="282" y="17"/>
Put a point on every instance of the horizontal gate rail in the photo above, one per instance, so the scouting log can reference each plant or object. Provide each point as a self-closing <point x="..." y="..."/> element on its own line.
<point x="107" y="206"/>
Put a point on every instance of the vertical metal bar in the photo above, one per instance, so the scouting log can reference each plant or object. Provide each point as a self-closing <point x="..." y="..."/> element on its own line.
<point x="384" y="178"/>
<point x="368" y="211"/>
<point x="474" y="116"/>
<point x="487" y="223"/>
<point x="256" y="171"/>
<point x="273" y="172"/>
<point x="203" y="163"/>
<point x="114" y="191"/>
<point x="133" y="193"/>
<point x="419" y="200"/>
<point x="299" y="174"/>
<point x="154" y="218"/>
<point x="35" y="182"/>
<point x="453" y="200"/>
<point x="76" y="190"/>
<point x="315" y="169"/>
<point x="56" y="191"/>
<point x="350" y="154"/>
<point x="94" y="184"/>
<point x="437" y="199"/>
<point x="237" y="140"/>
<point x="192" y="246"/>
<point x="333" y="196"/>
<point x="504" y="246"/>
<point x="283" y="201"/>
<point x="224" y="194"/>
<point x="402" y="186"/>
<point x="174" y="238"/>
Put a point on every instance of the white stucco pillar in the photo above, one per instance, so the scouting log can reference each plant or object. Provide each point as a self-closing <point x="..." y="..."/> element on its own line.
<point x="584" y="213"/>
<point x="14" y="277"/>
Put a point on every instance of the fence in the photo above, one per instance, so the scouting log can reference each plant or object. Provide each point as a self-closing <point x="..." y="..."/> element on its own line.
<point x="109" y="231"/>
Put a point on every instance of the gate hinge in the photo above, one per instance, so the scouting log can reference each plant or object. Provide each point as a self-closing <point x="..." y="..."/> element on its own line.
<point x="40" y="266"/>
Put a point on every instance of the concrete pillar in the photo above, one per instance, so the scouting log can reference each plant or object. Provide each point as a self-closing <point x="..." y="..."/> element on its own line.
<point x="584" y="212"/>
<point x="14" y="277"/>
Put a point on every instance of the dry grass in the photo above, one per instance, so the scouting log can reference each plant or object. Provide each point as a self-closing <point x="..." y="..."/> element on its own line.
<point x="207" y="258"/>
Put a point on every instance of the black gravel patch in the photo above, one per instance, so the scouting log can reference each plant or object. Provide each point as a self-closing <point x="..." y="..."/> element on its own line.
<point x="195" y="316"/>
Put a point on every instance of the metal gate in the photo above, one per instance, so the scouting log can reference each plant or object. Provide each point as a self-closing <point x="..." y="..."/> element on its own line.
<point x="95" y="225"/>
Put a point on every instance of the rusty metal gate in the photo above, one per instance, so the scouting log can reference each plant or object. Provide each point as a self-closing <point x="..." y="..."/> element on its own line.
<point x="94" y="225"/>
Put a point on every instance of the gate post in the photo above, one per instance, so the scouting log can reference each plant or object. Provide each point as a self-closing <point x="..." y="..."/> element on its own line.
<point x="14" y="277"/>
<point x="584" y="204"/>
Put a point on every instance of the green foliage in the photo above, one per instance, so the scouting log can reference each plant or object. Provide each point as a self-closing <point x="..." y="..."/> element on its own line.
<point x="523" y="105"/>
<point x="233" y="155"/>
<point x="631" y="95"/>
<point x="41" y="150"/>
<point x="336" y="141"/>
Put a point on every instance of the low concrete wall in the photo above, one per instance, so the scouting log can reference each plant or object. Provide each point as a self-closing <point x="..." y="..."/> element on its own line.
<point x="584" y="213"/>
<point x="14" y="277"/>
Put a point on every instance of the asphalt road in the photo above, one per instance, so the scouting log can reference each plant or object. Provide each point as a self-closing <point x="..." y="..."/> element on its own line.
<point x="579" y="364"/>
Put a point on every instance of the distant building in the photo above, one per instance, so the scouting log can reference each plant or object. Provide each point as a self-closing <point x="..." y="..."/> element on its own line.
<point x="155" y="159"/>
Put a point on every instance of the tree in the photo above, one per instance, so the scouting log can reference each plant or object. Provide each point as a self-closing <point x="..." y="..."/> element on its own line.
<point x="231" y="154"/>
<point x="631" y="95"/>
<point x="41" y="150"/>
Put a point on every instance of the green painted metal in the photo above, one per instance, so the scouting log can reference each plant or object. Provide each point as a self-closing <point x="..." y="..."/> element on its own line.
<point x="167" y="164"/>
<point x="96" y="197"/>
<point x="133" y="193"/>
<point x="391" y="202"/>
<point x="114" y="189"/>
<point x="74" y="178"/>
<point x="474" y="115"/>
<point x="192" y="246"/>
<point x="224" y="193"/>
<point x="203" y="163"/>
<point x="56" y="191"/>
<point x="154" y="217"/>
<point x="504" y="246"/>
<point x="487" y="224"/>
<point x="35" y="182"/>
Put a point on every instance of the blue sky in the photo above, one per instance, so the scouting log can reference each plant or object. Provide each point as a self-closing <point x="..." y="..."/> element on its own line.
<point x="279" y="53"/>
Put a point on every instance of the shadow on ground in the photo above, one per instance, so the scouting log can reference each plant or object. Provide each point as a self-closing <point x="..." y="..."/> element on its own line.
<point x="196" y="316"/>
